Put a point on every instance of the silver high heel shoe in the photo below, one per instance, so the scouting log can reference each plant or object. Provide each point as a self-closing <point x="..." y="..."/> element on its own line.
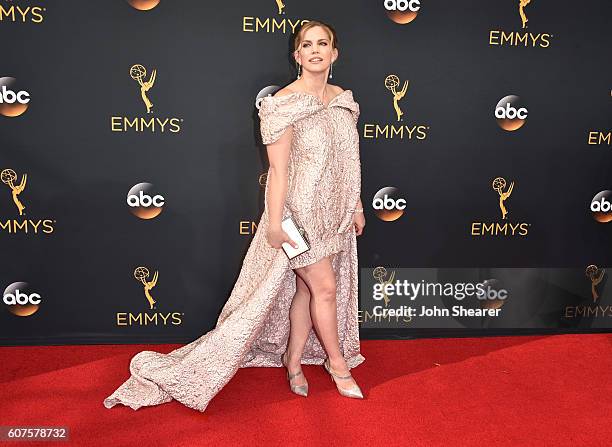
<point x="301" y="390"/>
<point x="354" y="392"/>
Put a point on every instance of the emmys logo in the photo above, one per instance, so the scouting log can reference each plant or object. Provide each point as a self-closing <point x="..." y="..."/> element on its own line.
<point x="141" y="274"/>
<point x="597" y="138"/>
<point x="379" y="314"/>
<point x="498" y="185"/>
<point x="402" y="11"/>
<point x="520" y="38"/>
<point x="391" y="82"/>
<point x="21" y="14"/>
<point x="601" y="206"/>
<point x="137" y="72"/>
<point x="510" y="114"/>
<point x="20" y="301"/>
<point x="140" y="123"/>
<point x="13" y="102"/>
<point x="251" y="24"/>
<point x="596" y="275"/>
<point x="387" y="205"/>
<point x="391" y="131"/>
<point x="9" y="178"/>
<point x="249" y="227"/>
<point x="143" y="5"/>
<point x="506" y="228"/>
<point x="143" y="202"/>
<point x="380" y="273"/>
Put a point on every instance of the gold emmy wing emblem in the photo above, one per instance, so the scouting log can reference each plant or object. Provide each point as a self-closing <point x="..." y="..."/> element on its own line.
<point x="522" y="4"/>
<point x="379" y="273"/>
<point x="498" y="185"/>
<point x="281" y="6"/>
<point x="8" y="177"/>
<point x="596" y="275"/>
<point x="137" y="73"/>
<point x="141" y="274"/>
<point x="391" y="82"/>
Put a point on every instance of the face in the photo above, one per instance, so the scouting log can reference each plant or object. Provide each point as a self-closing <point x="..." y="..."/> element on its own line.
<point x="315" y="53"/>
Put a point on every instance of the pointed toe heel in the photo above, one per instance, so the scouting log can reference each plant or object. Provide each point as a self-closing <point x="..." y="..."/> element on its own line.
<point x="353" y="392"/>
<point x="300" y="390"/>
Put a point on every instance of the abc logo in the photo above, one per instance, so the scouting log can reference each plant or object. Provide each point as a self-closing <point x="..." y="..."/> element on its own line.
<point x="13" y="102"/>
<point x="491" y="294"/>
<point x="143" y="202"/>
<point x="402" y="11"/>
<point x="510" y="114"/>
<point x="387" y="204"/>
<point x="143" y="5"/>
<point x="20" y="301"/>
<point x="601" y="206"/>
<point x="264" y="93"/>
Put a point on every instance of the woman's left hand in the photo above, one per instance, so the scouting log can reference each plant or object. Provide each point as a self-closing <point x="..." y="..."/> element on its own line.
<point x="358" y="223"/>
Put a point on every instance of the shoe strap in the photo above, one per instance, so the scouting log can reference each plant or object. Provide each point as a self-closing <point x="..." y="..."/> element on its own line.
<point x="291" y="376"/>
<point x="336" y="375"/>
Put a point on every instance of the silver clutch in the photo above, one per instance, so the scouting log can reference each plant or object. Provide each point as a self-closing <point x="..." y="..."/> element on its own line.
<point x="297" y="233"/>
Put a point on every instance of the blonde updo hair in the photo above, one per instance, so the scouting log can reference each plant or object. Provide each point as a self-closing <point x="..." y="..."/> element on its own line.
<point x="299" y="35"/>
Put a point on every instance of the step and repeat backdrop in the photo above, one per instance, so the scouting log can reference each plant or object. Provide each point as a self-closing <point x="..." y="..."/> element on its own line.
<point x="132" y="169"/>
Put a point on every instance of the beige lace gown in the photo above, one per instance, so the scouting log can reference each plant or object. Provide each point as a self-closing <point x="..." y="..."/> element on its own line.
<point x="324" y="184"/>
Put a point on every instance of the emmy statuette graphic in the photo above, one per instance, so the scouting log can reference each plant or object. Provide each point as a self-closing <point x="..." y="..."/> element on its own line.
<point x="137" y="73"/>
<point x="498" y="185"/>
<point x="596" y="275"/>
<point x="524" y="19"/>
<point x="8" y="177"/>
<point x="380" y="273"/>
<point x="391" y="82"/>
<point x="141" y="274"/>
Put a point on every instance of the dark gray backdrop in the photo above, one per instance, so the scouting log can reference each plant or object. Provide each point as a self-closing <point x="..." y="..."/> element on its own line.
<point x="75" y="66"/>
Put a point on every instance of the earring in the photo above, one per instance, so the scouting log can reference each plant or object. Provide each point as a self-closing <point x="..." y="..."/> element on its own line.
<point x="299" y="74"/>
<point x="331" y="66"/>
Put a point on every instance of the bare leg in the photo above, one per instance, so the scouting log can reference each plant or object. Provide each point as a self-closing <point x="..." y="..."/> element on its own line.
<point x="299" y="316"/>
<point x="321" y="281"/>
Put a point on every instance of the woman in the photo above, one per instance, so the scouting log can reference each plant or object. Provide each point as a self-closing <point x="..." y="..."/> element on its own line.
<point x="309" y="128"/>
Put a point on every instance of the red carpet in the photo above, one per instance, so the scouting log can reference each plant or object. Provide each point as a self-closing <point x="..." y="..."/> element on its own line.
<point x="527" y="391"/>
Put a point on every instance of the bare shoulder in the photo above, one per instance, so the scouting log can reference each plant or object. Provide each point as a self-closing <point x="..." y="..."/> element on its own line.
<point x="283" y="92"/>
<point x="336" y="89"/>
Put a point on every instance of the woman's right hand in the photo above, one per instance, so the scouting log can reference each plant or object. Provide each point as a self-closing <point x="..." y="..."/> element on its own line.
<point x="276" y="237"/>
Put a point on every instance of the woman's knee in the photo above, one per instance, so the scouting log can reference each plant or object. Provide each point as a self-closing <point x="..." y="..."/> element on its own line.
<point x="325" y="292"/>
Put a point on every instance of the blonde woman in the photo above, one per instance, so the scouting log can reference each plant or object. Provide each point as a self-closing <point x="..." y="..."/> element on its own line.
<point x="281" y="311"/>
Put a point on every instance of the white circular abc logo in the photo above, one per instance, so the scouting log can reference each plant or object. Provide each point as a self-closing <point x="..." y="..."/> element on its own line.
<point x="13" y="100"/>
<point x="8" y="96"/>
<point x="19" y="300"/>
<point x="402" y="11"/>
<point x="387" y="204"/>
<point x="403" y="5"/>
<point x="601" y="206"/>
<point x="143" y="202"/>
<point x="510" y="113"/>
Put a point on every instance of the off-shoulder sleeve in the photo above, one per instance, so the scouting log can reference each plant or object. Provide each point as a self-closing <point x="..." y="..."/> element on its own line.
<point x="346" y="100"/>
<point x="276" y="113"/>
